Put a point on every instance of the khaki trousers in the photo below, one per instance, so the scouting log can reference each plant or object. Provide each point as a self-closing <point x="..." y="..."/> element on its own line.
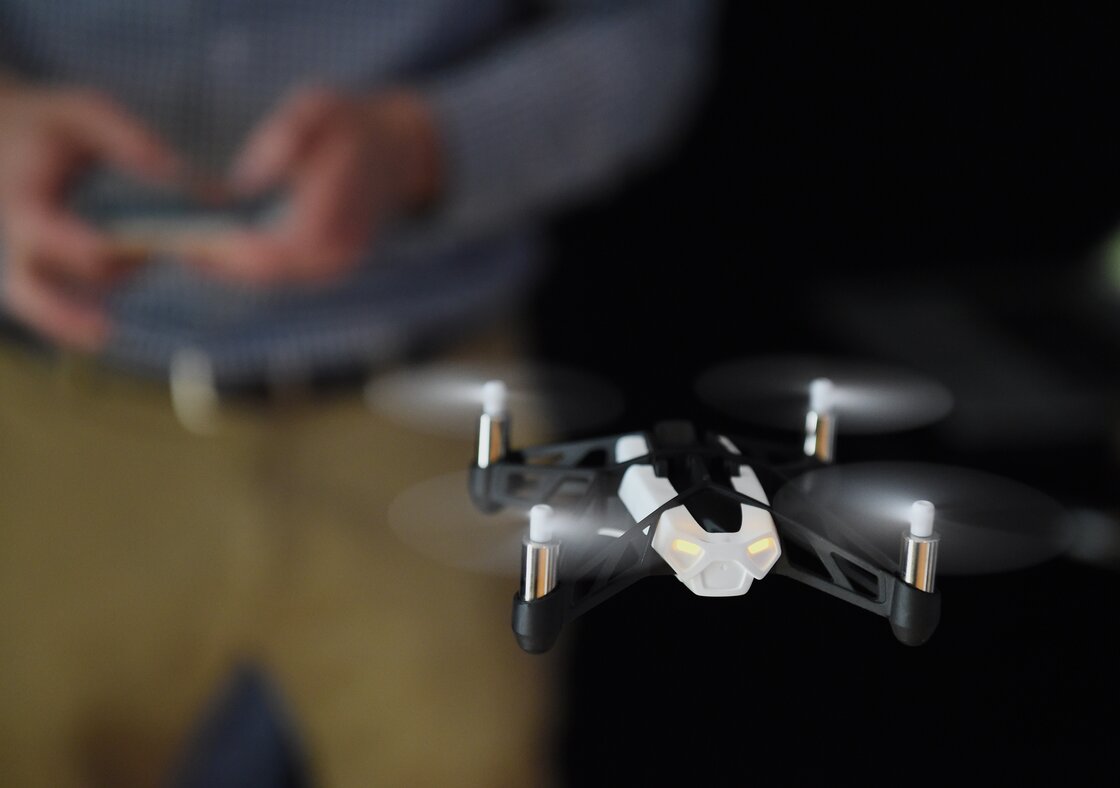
<point x="139" y="563"/>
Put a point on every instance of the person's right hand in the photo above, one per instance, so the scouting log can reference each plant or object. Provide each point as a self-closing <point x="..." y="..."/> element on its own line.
<point x="56" y="267"/>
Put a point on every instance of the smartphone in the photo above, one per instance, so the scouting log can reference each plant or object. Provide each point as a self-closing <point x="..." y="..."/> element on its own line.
<point x="146" y="221"/>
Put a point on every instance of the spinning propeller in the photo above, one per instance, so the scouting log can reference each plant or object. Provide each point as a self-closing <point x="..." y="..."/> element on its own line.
<point x="864" y="398"/>
<point x="438" y="518"/>
<point x="986" y="523"/>
<point x="589" y="518"/>
<point x="445" y="399"/>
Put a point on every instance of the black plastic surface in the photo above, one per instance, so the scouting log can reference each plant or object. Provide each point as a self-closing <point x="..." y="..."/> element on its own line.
<point x="915" y="614"/>
<point x="537" y="624"/>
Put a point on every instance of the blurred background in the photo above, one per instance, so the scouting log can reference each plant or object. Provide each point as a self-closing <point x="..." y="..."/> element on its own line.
<point x="930" y="186"/>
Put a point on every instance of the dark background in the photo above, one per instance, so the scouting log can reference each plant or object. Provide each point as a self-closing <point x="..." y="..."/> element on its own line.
<point x="926" y="186"/>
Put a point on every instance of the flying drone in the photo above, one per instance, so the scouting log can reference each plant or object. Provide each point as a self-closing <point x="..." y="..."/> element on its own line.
<point x="721" y="512"/>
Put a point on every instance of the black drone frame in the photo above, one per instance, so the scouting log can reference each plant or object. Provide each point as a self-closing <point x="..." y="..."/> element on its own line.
<point x="583" y="477"/>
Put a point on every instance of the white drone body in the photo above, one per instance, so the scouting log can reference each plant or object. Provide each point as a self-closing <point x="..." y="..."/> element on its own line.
<point x="710" y="564"/>
<point x="711" y="518"/>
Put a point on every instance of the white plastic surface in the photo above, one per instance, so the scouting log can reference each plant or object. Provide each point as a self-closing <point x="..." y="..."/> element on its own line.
<point x="629" y="447"/>
<point x="194" y="397"/>
<point x="710" y="564"/>
<point x="727" y="444"/>
<point x="495" y="398"/>
<point x="642" y="491"/>
<point x="921" y="519"/>
<point x="820" y="395"/>
<point x="748" y="484"/>
<point x="613" y="533"/>
<point x="540" y="523"/>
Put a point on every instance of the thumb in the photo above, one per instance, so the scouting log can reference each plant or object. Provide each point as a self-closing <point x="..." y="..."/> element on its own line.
<point x="101" y="127"/>
<point x="282" y="138"/>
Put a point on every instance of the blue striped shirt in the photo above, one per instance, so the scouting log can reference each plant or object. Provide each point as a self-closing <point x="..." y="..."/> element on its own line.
<point x="537" y="104"/>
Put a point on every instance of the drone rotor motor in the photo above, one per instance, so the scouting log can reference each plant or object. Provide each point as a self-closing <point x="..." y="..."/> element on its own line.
<point x="540" y="555"/>
<point x="493" y="424"/>
<point x="918" y="561"/>
<point x="820" y="422"/>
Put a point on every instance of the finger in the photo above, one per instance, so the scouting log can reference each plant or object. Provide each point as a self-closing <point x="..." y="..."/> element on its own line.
<point x="106" y="130"/>
<point x="273" y="149"/>
<point x="66" y="245"/>
<point x="333" y="210"/>
<point x="38" y="169"/>
<point x="247" y="257"/>
<point x="53" y="311"/>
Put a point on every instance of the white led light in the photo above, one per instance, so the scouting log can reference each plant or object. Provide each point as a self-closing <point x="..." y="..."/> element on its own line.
<point x="686" y="552"/>
<point x="760" y="546"/>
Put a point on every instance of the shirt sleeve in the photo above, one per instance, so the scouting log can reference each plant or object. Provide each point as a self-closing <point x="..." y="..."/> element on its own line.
<point x="566" y="108"/>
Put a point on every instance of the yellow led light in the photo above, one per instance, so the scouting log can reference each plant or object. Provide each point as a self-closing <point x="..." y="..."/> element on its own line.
<point x="763" y="544"/>
<point x="686" y="547"/>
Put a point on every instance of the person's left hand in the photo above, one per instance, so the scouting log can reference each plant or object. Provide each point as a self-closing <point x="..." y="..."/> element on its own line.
<point x="347" y="164"/>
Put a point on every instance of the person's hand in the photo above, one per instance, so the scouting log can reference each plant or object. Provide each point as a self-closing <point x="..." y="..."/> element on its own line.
<point x="57" y="267"/>
<point x="346" y="164"/>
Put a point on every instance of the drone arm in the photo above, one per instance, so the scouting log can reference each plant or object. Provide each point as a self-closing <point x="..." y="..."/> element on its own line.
<point x="592" y="580"/>
<point x="598" y="451"/>
<point x="537" y="623"/>
<point x="878" y="603"/>
<point x="819" y="564"/>
<point x="544" y="474"/>
<point x="914" y="613"/>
